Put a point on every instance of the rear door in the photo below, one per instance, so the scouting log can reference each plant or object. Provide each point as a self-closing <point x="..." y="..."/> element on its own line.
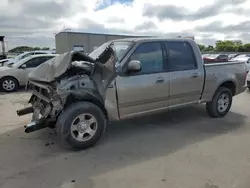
<point x="145" y="91"/>
<point x="186" y="75"/>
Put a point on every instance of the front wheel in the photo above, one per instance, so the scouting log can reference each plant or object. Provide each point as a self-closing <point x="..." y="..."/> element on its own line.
<point x="81" y="125"/>
<point x="221" y="102"/>
<point x="9" y="84"/>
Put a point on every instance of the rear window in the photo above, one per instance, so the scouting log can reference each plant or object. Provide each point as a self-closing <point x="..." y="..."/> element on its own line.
<point x="181" y="56"/>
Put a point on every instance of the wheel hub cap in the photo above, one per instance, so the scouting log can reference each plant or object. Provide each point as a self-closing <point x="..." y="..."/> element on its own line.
<point x="223" y="103"/>
<point x="84" y="127"/>
<point x="8" y="85"/>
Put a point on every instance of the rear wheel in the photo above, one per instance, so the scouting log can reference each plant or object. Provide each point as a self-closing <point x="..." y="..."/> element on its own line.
<point x="9" y="84"/>
<point x="81" y="125"/>
<point x="221" y="102"/>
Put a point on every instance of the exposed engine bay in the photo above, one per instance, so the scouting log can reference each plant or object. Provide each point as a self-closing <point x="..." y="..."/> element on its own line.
<point x="65" y="78"/>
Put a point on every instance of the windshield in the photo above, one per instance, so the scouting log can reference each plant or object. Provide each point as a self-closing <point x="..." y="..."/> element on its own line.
<point x="17" y="64"/>
<point x="242" y="58"/>
<point x="22" y="56"/>
<point x="120" y="49"/>
<point x="242" y="55"/>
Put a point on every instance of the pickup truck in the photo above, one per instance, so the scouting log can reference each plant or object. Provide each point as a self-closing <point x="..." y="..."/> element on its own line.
<point x="78" y="94"/>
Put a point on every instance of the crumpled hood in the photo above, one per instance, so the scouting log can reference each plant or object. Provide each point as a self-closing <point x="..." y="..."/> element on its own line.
<point x="103" y="73"/>
<point x="55" y="67"/>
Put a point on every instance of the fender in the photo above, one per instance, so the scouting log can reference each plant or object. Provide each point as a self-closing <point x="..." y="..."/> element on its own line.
<point x="88" y="96"/>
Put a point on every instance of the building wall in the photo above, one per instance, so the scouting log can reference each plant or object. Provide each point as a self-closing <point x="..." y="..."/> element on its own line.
<point x="61" y="44"/>
<point x="65" y="41"/>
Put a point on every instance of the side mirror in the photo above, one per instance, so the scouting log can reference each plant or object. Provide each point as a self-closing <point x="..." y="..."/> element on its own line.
<point x="23" y="66"/>
<point x="134" y="66"/>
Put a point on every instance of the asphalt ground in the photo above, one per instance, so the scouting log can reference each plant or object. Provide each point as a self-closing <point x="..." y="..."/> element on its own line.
<point x="183" y="148"/>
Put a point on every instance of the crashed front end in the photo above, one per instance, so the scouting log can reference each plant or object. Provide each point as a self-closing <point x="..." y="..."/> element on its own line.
<point x="65" y="78"/>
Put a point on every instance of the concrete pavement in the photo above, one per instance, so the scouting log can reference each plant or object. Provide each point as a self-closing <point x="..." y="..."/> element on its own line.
<point x="182" y="148"/>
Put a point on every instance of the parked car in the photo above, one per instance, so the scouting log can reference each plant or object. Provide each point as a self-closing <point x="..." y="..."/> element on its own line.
<point x="26" y="54"/>
<point x="213" y="58"/>
<point x="241" y="56"/>
<point x="144" y="76"/>
<point x="248" y="80"/>
<point x="231" y="56"/>
<point x="15" y="75"/>
<point x="205" y="55"/>
<point x="245" y="59"/>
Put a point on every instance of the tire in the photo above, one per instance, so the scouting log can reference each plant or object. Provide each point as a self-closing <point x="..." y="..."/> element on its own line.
<point x="216" y="108"/>
<point x="9" y="84"/>
<point x="73" y="125"/>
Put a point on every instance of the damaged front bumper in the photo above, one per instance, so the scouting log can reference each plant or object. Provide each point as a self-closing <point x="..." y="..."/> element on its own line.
<point x="37" y="125"/>
<point x="45" y="106"/>
<point x="55" y="81"/>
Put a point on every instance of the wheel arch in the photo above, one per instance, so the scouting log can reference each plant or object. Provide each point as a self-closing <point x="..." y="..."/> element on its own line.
<point x="73" y="98"/>
<point x="12" y="78"/>
<point x="230" y="84"/>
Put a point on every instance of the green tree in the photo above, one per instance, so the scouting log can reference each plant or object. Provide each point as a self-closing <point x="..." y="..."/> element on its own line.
<point x="36" y="48"/>
<point x="202" y="47"/>
<point x="247" y="47"/>
<point x="237" y="42"/>
<point x="209" y="48"/>
<point x="45" y="48"/>
<point x="20" y="49"/>
<point x="226" y="45"/>
<point x="239" y="48"/>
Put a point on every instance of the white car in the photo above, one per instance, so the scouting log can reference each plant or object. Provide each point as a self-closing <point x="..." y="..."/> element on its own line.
<point x="248" y="80"/>
<point x="245" y="59"/>
<point x="26" y="54"/>
<point x="15" y="75"/>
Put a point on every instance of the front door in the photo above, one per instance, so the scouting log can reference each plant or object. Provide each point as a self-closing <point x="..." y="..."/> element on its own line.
<point x="146" y="91"/>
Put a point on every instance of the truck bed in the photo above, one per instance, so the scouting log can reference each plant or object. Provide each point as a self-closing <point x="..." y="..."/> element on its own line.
<point x="218" y="73"/>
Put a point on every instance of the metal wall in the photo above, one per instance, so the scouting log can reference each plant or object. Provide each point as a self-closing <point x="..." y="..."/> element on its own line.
<point x="67" y="41"/>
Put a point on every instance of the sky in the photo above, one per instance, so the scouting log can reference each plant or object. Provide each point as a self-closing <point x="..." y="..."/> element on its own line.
<point x="35" y="22"/>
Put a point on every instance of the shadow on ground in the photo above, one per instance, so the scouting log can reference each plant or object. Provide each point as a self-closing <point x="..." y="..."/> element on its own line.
<point x="38" y="157"/>
<point x="20" y="90"/>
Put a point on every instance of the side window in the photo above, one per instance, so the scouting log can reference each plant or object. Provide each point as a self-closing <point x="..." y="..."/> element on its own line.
<point x="37" y="53"/>
<point x="27" y="55"/>
<point x="150" y="56"/>
<point x="32" y="63"/>
<point x="181" y="56"/>
<point x="223" y="57"/>
<point x="49" y="57"/>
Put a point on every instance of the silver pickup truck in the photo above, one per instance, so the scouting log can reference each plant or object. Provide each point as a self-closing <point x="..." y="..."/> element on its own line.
<point x="79" y="94"/>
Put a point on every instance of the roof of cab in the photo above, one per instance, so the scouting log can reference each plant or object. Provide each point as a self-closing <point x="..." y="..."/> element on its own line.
<point x="42" y="55"/>
<point x="144" y="39"/>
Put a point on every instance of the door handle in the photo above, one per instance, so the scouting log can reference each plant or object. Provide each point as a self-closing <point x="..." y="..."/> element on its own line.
<point x="159" y="80"/>
<point x="194" y="75"/>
